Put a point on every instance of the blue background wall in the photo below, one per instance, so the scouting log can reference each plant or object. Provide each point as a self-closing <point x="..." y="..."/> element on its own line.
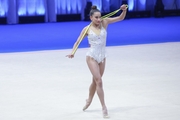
<point x="12" y="9"/>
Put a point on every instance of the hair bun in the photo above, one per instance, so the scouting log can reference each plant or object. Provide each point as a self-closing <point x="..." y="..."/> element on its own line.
<point x="94" y="7"/>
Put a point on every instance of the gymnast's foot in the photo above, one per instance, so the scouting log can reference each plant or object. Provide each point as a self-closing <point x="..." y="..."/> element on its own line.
<point x="105" y="113"/>
<point x="88" y="102"/>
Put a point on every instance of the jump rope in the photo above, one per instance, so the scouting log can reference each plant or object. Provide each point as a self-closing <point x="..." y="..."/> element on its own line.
<point x="103" y="17"/>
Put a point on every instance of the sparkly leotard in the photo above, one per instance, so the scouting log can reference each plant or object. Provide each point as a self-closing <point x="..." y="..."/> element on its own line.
<point x="97" y="45"/>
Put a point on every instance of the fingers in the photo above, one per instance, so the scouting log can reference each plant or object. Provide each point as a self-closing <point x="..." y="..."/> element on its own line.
<point x="70" y="56"/>
<point x="124" y="6"/>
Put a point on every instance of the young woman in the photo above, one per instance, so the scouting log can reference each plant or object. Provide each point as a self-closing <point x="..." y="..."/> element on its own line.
<point x="96" y="55"/>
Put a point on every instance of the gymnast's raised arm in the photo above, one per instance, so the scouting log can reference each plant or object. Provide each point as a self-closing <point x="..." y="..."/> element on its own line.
<point x="107" y="21"/>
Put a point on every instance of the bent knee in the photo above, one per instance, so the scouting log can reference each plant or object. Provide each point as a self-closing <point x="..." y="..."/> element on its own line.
<point x="97" y="78"/>
<point x="98" y="82"/>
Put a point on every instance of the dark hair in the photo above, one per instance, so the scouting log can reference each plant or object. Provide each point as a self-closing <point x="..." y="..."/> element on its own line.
<point x="93" y="10"/>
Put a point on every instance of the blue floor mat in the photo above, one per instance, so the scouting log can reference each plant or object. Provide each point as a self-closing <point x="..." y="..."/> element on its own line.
<point x="62" y="35"/>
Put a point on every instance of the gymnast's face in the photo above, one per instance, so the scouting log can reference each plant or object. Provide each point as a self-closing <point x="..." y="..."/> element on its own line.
<point x="96" y="18"/>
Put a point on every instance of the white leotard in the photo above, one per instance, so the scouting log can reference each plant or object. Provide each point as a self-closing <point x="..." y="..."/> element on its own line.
<point x="97" y="43"/>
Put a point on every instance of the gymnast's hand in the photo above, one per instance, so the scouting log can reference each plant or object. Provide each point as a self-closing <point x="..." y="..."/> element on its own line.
<point x="70" y="56"/>
<point x="123" y="7"/>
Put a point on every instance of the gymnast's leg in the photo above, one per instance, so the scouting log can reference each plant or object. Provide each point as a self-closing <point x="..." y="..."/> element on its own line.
<point x="96" y="70"/>
<point x="92" y="90"/>
<point x="92" y="87"/>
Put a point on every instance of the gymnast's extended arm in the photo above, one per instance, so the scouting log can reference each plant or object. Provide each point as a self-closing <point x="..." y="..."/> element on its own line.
<point x="80" y="38"/>
<point x="107" y="21"/>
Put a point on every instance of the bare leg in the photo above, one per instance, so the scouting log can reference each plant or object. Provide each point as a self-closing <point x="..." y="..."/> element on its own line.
<point x="97" y="71"/>
<point x="92" y="88"/>
<point x="102" y="67"/>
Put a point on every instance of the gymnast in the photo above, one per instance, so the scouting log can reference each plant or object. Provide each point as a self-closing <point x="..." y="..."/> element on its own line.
<point x="96" y="55"/>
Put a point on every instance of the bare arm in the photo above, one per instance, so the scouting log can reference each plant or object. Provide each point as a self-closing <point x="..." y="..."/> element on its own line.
<point x="116" y="19"/>
<point x="79" y="39"/>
